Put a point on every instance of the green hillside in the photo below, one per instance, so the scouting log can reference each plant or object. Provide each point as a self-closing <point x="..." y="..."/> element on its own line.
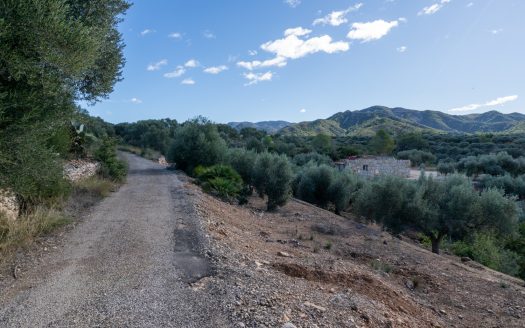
<point x="396" y="120"/>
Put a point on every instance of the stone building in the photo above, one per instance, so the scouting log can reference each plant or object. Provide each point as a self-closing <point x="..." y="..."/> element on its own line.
<point x="375" y="165"/>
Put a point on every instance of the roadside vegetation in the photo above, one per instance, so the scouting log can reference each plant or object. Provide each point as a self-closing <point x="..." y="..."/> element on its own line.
<point x="475" y="209"/>
<point x="54" y="54"/>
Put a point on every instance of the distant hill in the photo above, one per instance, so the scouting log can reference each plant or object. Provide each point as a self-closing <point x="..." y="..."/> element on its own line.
<point x="396" y="120"/>
<point x="268" y="126"/>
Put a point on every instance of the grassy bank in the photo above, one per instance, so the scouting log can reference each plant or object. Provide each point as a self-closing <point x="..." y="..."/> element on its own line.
<point x="44" y="220"/>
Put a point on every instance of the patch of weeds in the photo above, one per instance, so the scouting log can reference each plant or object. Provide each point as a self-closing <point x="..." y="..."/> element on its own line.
<point x="311" y="237"/>
<point x="379" y="265"/>
<point x="96" y="186"/>
<point x="503" y="285"/>
<point x="316" y="248"/>
<point x="328" y="245"/>
<point x="22" y="231"/>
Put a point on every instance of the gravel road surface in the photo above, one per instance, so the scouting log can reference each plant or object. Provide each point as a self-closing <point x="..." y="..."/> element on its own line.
<point x="128" y="264"/>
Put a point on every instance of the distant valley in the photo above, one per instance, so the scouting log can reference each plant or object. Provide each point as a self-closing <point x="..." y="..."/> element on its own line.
<point x="367" y="121"/>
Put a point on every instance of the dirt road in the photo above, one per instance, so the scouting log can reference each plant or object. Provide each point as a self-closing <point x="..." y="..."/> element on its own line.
<point x="128" y="264"/>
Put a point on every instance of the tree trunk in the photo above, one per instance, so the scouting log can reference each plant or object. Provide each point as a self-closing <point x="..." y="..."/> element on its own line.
<point x="436" y="241"/>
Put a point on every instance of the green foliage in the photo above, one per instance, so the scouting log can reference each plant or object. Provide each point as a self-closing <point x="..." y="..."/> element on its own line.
<point x="417" y="157"/>
<point x="446" y="168"/>
<point x="436" y="208"/>
<point x="197" y="142"/>
<point x="511" y="186"/>
<point x="220" y="180"/>
<point x="313" y="183"/>
<point x="111" y="167"/>
<point x="493" y="164"/>
<point x="152" y="134"/>
<point x="382" y="143"/>
<point x="313" y="157"/>
<point x="322" y="143"/>
<point x="272" y="177"/>
<point x="411" y="140"/>
<point x="278" y="186"/>
<point x="243" y="161"/>
<point x="33" y="171"/>
<point x="54" y="52"/>
<point x="486" y="249"/>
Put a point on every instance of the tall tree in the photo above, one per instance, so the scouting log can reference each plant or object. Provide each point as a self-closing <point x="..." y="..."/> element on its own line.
<point x="54" y="52"/>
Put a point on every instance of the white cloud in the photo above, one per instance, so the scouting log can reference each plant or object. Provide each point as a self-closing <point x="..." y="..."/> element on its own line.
<point x="208" y="34"/>
<point x="336" y="18"/>
<point x="434" y="8"/>
<point x="255" y="78"/>
<point x="292" y="3"/>
<point x="179" y="71"/>
<point x="252" y="52"/>
<point x="156" y="66"/>
<point x="146" y="31"/>
<point x="297" y="31"/>
<point x="277" y="61"/>
<point x="402" y="19"/>
<point x="192" y="63"/>
<point x="136" y="100"/>
<point x="293" y="47"/>
<point x="215" y="69"/>
<point x="495" y="102"/>
<point x="302" y="110"/>
<point x="371" y="30"/>
<point x="188" y="82"/>
<point x="175" y="35"/>
<point x="496" y="31"/>
<point x="470" y="4"/>
<point x="402" y="49"/>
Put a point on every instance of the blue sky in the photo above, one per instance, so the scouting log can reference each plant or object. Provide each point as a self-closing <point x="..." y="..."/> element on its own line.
<point x="239" y="60"/>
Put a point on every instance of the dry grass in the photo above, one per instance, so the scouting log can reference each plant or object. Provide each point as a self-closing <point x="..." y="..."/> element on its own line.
<point x="22" y="231"/>
<point x="96" y="186"/>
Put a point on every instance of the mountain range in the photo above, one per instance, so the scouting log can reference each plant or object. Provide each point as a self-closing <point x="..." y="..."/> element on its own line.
<point x="367" y="121"/>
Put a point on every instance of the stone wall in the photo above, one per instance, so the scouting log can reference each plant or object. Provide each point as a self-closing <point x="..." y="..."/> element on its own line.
<point x="79" y="169"/>
<point x="8" y="204"/>
<point x="373" y="166"/>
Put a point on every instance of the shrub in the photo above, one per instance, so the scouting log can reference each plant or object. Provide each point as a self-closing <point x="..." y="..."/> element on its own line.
<point x="220" y="180"/>
<point x="417" y="157"/>
<point x="32" y="171"/>
<point x="487" y="250"/>
<point x="110" y="166"/>
<point x="313" y="157"/>
<point x="446" y="168"/>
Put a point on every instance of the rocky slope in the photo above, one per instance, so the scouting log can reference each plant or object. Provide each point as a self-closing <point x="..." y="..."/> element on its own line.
<point x="305" y="267"/>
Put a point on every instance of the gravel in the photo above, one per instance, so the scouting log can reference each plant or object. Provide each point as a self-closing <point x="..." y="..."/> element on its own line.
<point x="134" y="262"/>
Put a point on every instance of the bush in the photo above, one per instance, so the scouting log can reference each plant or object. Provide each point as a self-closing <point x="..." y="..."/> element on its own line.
<point x="417" y="157"/>
<point x="487" y="250"/>
<point x="32" y="171"/>
<point x="110" y="166"/>
<point x="313" y="157"/>
<point x="446" y="168"/>
<point x="220" y="180"/>
<point x="197" y="142"/>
